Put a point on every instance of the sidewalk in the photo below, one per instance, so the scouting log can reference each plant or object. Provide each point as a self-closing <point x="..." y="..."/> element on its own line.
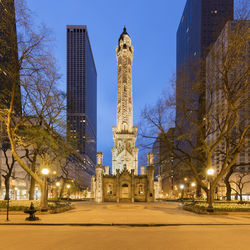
<point x="137" y="214"/>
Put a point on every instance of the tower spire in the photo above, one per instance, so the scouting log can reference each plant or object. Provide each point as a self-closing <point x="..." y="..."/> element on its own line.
<point x="124" y="152"/>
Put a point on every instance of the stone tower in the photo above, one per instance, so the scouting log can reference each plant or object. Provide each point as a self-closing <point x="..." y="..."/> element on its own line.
<point x="124" y="152"/>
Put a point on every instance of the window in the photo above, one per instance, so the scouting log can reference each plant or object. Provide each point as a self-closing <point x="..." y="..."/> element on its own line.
<point x="214" y="11"/>
<point x="140" y="190"/>
<point x="109" y="189"/>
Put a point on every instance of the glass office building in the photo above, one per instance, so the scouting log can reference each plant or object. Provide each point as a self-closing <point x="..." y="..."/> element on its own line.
<point x="81" y="92"/>
<point x="8" y="55"/>
<point x="200" y="26"/>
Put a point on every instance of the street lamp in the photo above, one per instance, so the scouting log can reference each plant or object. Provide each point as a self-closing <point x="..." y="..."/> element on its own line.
<point x="45" y="171"/>
<point x="68" y="187"/>
<point x="57" y="189"/>
<point x="182" y="191"/>
<point x="44" y="205"/>
<point x="210" y="173"/>
<point x="193" y="185"/>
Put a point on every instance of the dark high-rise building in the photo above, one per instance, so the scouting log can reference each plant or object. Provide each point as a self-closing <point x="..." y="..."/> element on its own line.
<point x="200" y="25"/>
<point x="9" y="68"/>
<point x="81" y="92"/>
<point x="163" y="154"/>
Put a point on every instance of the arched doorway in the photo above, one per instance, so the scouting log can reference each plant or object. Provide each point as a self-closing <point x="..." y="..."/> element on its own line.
<point x="125" y="191"/>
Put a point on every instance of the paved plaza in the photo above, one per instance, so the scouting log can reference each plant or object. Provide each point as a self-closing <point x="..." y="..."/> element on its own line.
<point x="136" y="213"/>
<point x="124" y="238"/>
<point x="126" y="226"/>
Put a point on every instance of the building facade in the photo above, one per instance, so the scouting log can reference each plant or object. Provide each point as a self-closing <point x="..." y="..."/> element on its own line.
<point x="233" y="41"/>
<point x="81" y="92"/>
<point x="124" y="184"/>
<point x="200" y="25"/>
<point x="9" y="72"/>
<point x="164" y="162"/>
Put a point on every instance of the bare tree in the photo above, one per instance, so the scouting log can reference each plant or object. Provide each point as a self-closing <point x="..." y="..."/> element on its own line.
<point x="241" y="180"/>
<point x="34" y="71"/>
<point x="10" y="163"/>
<point x="210" y="128"/>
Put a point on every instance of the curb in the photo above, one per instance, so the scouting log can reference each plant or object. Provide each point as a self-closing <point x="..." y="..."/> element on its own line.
<point x="120" y="224"/>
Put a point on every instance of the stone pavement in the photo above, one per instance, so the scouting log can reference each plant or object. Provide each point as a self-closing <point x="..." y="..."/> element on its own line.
<point x="124" y="238"/>
<point x="137" y="214"/>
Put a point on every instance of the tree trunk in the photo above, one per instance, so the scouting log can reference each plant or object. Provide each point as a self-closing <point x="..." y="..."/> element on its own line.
<point x="227" y="183"/>
<point x="240" y="195"/>
<point x="32" y="180"/>
<point x="62" y="189"/>
<point x="7" y="187"/>
<point x="198" y="191"/>
<point x="236" y="196"/>
<point x="32" y="188"/>
<point x="44" y="197"/>
<point x="210" y="199"/>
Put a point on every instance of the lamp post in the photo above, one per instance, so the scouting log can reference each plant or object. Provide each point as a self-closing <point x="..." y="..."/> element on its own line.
<point x="193" y="184"/>
<point x="44" y="205"/>
<point x="182" y="191"/>
<point x="210" y="173"/>
<point x="15" y="194"/>
<point x="57" y="189"/>
<point x="68" y="187"/>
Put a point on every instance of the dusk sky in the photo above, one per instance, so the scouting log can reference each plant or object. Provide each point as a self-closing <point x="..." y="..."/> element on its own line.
<point x="152" y="26"/>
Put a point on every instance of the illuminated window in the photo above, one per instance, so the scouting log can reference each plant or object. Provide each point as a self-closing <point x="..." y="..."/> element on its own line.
<point x="140" y="190"/>
<point x="214" y="11"/>
<point x="109" y="189"/>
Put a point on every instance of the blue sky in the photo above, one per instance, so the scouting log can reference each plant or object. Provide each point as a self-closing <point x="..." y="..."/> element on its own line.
<point x="152" y="26"/>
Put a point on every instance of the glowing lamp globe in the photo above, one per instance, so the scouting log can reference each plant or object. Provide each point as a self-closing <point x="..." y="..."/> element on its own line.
<point x="210" y="171"/>
<point x="45" y="171"/>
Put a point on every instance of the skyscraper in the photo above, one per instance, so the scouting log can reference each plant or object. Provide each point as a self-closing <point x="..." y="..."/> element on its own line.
<point x="200" y="25"/>
<point x="9" y="68"/>
<point x="81" y="92"/>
